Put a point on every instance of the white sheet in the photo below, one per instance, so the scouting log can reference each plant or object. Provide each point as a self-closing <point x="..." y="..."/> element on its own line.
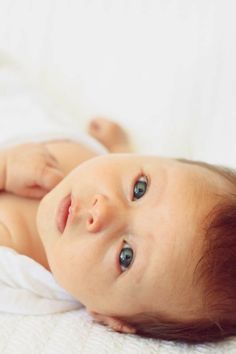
<point x="28" y="288"/>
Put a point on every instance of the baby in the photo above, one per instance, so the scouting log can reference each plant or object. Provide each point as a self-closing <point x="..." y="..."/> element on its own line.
<point x="146" y="244"/>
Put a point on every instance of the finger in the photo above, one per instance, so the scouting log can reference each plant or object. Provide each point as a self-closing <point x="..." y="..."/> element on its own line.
<point x="35" y="192"/>
<point x="96" y="124"/>
<point x="49" y="178"/>
<point x="51" y="161"/>
<point x="46" y="155"/>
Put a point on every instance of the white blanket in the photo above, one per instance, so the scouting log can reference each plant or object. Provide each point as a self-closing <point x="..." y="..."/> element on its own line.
<point x="28" y="288"/>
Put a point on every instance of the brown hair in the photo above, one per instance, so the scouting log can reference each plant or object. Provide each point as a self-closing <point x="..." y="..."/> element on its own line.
<point x="216" y="270"/>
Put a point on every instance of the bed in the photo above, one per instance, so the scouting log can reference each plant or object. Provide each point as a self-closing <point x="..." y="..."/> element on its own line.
<point x="163" y="69"/>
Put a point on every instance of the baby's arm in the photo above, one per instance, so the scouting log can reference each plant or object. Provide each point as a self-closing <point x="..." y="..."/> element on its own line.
<point x="31" y="170"/>
<point x="28" y="170"/>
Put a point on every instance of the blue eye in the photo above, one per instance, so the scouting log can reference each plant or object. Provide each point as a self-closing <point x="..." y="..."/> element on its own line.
<point x="126" y="257"/>
<point x="140" y="188"/>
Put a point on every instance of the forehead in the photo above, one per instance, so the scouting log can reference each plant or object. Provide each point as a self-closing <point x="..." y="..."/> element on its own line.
<point x="187" y="200"/>
<point x="184" y="169"/>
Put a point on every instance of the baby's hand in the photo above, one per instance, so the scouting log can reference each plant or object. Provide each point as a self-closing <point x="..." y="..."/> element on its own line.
<point x="110" y="134"/>
<point x="30" y="170"/>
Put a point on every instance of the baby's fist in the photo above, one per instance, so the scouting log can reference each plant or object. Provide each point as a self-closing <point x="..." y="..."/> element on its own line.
<point x="31" y="171"/>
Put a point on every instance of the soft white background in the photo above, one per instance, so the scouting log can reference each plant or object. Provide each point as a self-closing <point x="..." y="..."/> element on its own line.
<point x="165" y="69"/>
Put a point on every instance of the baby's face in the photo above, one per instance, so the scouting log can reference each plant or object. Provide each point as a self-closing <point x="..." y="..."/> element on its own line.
<point x="133" y="237"/>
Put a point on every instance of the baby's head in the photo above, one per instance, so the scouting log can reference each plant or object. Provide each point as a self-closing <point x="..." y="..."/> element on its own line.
<point x="144" y="247"/>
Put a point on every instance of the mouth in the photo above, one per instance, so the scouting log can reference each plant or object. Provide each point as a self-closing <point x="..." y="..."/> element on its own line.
<point x="63" y="213"/>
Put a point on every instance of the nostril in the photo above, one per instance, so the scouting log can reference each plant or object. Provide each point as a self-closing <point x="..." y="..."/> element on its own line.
<point x="97" y="213"/>
<point x="90" y="220"/>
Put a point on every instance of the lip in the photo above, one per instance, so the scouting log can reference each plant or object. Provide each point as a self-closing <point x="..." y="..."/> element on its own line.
<point x="63" y="213"/>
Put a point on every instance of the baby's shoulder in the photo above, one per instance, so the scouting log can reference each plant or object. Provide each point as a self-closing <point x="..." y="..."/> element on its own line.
<point x="16" y="216"/>
<point x="18" y="224"/>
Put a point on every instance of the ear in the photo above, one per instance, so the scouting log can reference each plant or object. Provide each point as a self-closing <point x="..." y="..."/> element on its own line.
<point x="114" y="323"/>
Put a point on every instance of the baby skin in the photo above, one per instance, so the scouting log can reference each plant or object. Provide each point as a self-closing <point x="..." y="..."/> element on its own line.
<point x="120" y="232"/>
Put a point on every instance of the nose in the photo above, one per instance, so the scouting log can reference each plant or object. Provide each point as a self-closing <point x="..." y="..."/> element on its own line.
<point x="100" y="214"/>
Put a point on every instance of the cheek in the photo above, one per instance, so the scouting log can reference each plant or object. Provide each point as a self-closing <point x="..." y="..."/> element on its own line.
<point x="66" y="260"/>
<point x="76" y="267"/>
<point x="47" y="209"/>
<point x="44" y="220"/>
